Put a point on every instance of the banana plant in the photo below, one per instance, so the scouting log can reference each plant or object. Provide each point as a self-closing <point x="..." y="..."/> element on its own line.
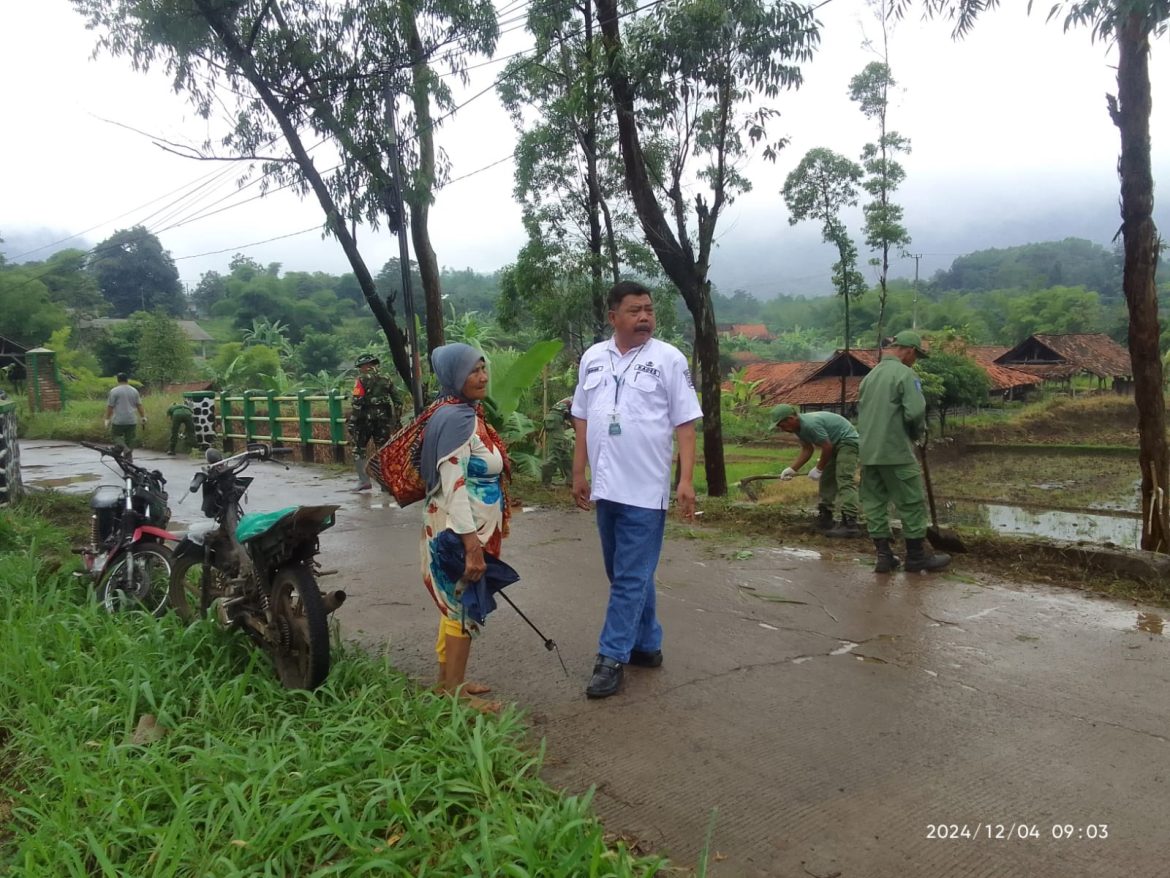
<point x="507" y="386"/>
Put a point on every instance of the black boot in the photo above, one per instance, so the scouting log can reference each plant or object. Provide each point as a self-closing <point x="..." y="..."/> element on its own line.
<point x="917" y="558"/>
<point x="824" y="519"/>
<point x="887" y="561"/>
<point x="847" y="529"/>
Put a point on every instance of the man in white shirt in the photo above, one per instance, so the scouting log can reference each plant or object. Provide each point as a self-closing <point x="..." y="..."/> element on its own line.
<point x="634" y="397"/>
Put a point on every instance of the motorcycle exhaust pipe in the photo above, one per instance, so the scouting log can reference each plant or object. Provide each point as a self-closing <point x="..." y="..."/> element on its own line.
<point x="332" y="600"/>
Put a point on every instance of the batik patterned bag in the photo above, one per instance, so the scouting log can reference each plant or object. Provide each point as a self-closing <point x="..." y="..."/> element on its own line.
<point x="397" y="466"/>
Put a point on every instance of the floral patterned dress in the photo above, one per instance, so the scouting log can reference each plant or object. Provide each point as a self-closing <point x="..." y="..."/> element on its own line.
<point x="470" y="496"/>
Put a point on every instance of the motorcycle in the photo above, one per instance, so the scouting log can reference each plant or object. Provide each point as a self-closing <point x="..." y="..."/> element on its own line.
<point x="259" y="570"/>
<point x="127" y="553"/>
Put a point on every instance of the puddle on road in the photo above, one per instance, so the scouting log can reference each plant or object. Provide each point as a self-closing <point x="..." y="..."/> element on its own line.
<point x="1151" y="623"/>
<point x="791" y="552"/>
<point x="1097" y="527"/>
<point x="61" y="482"/>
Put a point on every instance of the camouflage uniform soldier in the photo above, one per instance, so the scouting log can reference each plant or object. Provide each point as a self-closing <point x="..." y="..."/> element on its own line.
<point x="374" y="416"/>
<point x="558" y="447"/>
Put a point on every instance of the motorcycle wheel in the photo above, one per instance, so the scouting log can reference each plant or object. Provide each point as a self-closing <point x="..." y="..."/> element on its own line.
<point x="151" y="572"/>
<point x="300" y="648"/>
<point x="186" y="593"/>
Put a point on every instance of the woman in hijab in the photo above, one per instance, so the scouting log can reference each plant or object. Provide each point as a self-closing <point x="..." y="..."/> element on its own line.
<point x="465" y="465"/>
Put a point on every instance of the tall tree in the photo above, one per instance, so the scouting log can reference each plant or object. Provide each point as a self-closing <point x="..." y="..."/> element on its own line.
<point x="1128" y="24"/>
<point x="568" y="172"/>
<point x="135" y="273"/>
<point x="696" y="73"/>
<point x="164" y="354"/>
<point x="284" y="72"/>
<point x="819" y="188"/>
<point x="884" y="231"/>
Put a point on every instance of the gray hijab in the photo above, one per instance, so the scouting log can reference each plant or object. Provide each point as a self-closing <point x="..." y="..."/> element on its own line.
<point x="451" y="425"/>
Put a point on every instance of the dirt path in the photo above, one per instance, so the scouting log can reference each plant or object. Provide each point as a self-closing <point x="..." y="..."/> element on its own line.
<point x="824" y="718"/>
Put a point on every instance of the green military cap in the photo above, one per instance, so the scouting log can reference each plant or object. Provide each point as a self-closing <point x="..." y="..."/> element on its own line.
<point x="782" y="411"/>
<point x="367" y="360"/>
<point x="909" y="339"/>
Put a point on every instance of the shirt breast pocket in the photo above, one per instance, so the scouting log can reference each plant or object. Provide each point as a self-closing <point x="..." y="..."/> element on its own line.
<point x="594" y="389"/>
<point x="648" y="397"/>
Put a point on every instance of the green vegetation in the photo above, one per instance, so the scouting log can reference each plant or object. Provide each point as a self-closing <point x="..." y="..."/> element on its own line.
<point x="134" y="746"/>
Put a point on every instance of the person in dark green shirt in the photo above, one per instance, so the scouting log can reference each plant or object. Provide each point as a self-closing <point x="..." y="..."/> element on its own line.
<point x="836" y="469"/>
<point x="891" y="418"/>
<point x="181" y="418"/>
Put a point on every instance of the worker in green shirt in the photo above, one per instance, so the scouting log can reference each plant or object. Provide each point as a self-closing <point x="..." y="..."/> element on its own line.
<point x="182" y="418"/>
<point x="891" y="418"/>
<point x="836" y="469"/>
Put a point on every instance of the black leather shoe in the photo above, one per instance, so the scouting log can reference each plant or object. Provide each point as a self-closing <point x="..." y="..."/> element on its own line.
<point x="646" y="659"/>
<point x="607" y="678"/>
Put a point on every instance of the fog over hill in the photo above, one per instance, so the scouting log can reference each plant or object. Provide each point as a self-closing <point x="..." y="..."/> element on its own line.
<point x="946" y="219"/>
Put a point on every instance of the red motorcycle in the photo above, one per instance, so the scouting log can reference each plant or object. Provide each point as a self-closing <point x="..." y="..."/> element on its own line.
<point x="127" y="553"/>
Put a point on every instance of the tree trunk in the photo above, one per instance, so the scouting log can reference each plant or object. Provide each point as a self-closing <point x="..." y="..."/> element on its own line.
<point x="673" y="255"/>
<point x="707" y="361"/>
<point x="418" y="194"/>
<point x="593" y="185"/>
<point x="848" y="361"/>
<point x="1131" y="114"/>
<point x="242" y="57"/>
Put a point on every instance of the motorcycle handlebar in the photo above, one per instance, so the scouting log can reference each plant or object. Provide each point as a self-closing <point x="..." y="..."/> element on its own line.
<point x="120" y="455"/>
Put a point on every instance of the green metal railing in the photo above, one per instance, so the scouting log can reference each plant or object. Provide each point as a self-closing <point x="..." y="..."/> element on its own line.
<point x="260" y="415"/>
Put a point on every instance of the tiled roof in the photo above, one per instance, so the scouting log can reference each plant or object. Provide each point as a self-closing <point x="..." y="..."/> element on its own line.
<point x="821" y="391"/>
<point x="774" y="378"/>
<point x="751" y="330"/>
<point x="1095" y="353"/>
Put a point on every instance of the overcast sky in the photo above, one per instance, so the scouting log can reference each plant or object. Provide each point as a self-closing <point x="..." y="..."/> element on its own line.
<point x="1011" y="143"/>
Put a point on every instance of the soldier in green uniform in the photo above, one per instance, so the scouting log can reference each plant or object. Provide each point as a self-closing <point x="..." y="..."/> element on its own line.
<point x="836" y="469"/>
<point x="181" y="418"/>
<point x="558" y="448"/>
<point x="374" y="416"/>
<point x="891" y="418"/>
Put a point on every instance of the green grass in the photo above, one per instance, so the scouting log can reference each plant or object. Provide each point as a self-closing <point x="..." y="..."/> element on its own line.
<point x="82" y="419"/>
<point x="368" y="775"/>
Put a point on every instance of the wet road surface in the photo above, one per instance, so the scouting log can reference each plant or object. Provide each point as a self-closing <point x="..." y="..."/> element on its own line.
<point x="827" y="721"/>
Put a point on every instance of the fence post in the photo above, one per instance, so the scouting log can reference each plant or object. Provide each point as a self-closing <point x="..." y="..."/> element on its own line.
<point x="250" y="415"/>
<point x="274" y="429"/>
<point x="304" y="427"/>
<point x="226" y="415"/>
<point x="336" y="426"/>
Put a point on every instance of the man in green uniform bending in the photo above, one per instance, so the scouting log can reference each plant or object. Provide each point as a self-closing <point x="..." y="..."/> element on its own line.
<point x="891" y="418"/>
<point x="836" y="470"/>
<point x="182" y="418"/>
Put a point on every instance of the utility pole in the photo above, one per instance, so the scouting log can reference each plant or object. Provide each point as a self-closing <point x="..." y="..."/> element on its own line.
<point x="395" y="214"/>
<point x="914" y="311"/>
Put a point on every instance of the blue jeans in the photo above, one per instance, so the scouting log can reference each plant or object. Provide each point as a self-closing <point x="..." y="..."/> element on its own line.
<point x="631" y="541"/>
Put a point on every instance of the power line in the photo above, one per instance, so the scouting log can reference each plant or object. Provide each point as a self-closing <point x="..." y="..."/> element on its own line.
<point x="240" y="247"/>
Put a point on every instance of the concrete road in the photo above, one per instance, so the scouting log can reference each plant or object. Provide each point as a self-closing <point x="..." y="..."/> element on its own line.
<point x="825" y="721"/>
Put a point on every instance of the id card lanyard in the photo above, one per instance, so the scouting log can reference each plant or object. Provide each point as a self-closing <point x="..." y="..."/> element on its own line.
<point x="615" y="424"/>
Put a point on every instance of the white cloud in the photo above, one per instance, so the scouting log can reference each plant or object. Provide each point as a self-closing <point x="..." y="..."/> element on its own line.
<point x="1006" y="124"/>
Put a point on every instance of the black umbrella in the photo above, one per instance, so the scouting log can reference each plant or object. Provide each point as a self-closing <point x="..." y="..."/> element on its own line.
<point x="478" y="597"/>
